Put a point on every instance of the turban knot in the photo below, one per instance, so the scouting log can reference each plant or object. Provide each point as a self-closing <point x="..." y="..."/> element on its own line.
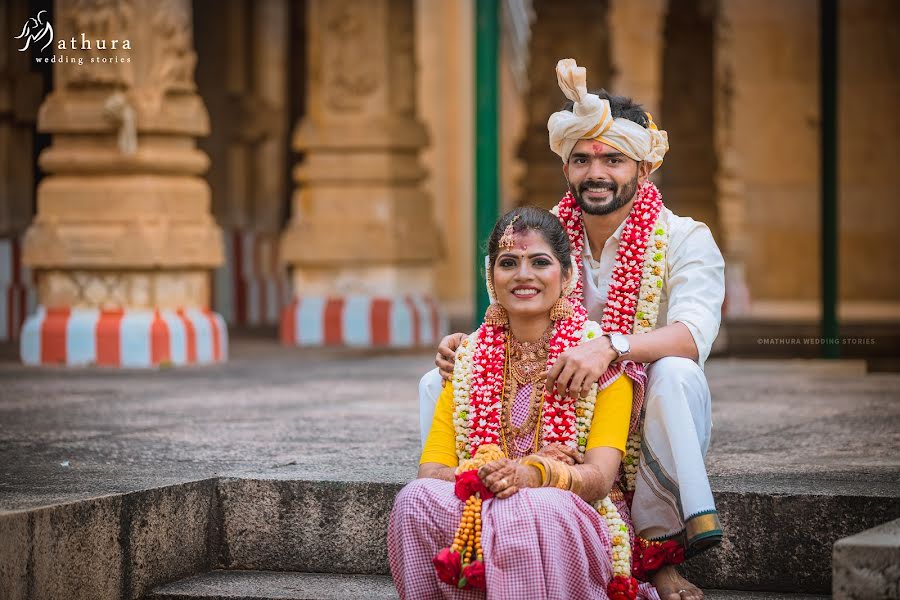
<point x="591" y="118"/>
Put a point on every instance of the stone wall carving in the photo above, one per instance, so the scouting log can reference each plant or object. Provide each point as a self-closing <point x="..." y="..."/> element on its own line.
<point x="90" y="22"/>
<point x="124" y="289"/>
<point x="352" y="72"/>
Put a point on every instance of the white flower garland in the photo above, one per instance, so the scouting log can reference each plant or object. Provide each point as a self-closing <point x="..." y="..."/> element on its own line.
<point x="462" y="389"/>
<point x="618" y="537"/>
<point x="584" y="407"/>
<point x="632" y="459"/>
<point x="653" y="274"/>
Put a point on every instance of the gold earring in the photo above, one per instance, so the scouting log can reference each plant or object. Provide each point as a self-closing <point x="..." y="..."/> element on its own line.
<point x="562" y="309"/>
<point x="496" y="315"/>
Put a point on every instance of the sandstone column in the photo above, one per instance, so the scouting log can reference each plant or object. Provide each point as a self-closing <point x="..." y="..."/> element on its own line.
<point x="20" y="95"/>
<point x="636" y="50"/>
<point x="729" y="185"/>
<point x="123" y="241"/>
<point x="555" y="35"/>
<point x="362" y="240"/>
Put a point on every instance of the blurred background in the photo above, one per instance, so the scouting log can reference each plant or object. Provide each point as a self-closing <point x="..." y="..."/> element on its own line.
<point x="308" y="169"/>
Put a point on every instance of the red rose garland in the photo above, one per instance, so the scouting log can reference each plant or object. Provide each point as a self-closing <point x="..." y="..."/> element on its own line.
<point x="626" y="277"/>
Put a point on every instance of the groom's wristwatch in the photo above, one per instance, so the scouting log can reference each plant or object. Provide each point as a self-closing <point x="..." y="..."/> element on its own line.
<point x="619" y="343"/>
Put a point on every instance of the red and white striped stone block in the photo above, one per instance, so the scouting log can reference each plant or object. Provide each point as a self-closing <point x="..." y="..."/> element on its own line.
<point x="251" y="288"/>
<point x="18" y="293"/>
<point x="363" y="322"/>
<point x="123" y="338"/>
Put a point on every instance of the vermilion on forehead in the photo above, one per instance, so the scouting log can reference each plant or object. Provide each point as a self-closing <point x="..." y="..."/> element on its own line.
<point x="599" y="147"/>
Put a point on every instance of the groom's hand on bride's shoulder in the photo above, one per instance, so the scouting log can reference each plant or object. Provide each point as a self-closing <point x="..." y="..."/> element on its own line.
<point x="446" y="354"/>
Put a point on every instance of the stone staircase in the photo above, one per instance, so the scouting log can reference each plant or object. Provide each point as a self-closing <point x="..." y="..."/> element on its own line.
<point x="293" y="539"/>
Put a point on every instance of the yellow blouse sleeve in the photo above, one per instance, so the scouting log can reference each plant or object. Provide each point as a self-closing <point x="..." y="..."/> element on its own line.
<point x="612" y="414"/>
<point x="440" y="447"/>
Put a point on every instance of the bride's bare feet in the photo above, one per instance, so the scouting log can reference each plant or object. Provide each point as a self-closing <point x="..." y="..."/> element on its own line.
<point x="672" y="586"/>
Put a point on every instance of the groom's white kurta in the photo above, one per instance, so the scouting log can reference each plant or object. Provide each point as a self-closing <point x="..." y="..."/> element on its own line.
<point x="677" y="402"/>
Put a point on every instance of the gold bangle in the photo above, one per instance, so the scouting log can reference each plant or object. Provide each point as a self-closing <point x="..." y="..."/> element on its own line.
<point x="560" y="478"/>
<point x="538" y="463"/>
<point x="577" y="484"/>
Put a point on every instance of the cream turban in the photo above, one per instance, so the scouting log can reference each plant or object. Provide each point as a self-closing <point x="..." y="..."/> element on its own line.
<point x="591" y="119"/>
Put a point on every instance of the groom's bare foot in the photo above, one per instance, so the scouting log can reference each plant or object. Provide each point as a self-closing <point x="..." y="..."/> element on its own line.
<point x="672" y="586"/>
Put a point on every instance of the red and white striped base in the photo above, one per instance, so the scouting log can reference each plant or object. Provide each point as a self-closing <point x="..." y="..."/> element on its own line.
<point x="18" y="294"/>
<point x="123" y="338"/>
<point x="251" y="288"/>
<point x="363" y="322"/>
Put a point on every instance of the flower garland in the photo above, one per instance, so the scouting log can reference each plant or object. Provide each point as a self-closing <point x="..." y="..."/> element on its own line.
<point x="652" y="280"/>
<point x="622" y="586"/>
<point x="462" y="564"/>
<point x="631" y="460"/>
<point x="631" y="257"/>
<point x="584" y="407"/>
<point x="478" y="387"/>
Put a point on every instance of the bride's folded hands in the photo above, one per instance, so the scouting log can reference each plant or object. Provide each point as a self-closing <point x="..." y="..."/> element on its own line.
<point x="505" y="477"/>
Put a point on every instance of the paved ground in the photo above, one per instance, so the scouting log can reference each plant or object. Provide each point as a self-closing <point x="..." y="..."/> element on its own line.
<point x="294" y="414"/>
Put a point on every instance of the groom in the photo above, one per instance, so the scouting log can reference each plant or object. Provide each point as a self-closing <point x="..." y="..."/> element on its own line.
<point x="609" y="146"/>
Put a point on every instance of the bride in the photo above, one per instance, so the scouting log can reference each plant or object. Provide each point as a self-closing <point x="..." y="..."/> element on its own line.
<point x="520" y="492"/>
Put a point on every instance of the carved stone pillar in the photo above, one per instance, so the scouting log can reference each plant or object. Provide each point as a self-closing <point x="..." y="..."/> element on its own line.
<point x="123" y="241"/>
<point x="20" y="95"/>
<point x="553" y="36"/>
<point x="362" y="240"/>
<point x="730" y="193"/>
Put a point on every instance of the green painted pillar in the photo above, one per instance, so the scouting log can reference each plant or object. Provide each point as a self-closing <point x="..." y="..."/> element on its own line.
<point x="828" y="80"/>
<point x="487" y="126"/>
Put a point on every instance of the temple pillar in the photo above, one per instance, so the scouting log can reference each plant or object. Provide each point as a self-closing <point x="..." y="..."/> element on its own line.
<point x="362" y="241"/>
<point x="21" y="90"/>
<point x="776" y="56"/>
<point x="123" y="242"/>
<point x="553" y="37"/>
<point x="729" y="184"/>
<point x="636" y="51"/>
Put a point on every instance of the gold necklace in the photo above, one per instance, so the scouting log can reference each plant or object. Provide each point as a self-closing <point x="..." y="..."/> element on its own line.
<point x="526" y="362"/>
<point x="529" y="359"/>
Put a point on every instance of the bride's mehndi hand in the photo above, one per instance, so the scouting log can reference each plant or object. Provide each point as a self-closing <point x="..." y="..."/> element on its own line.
<point x="446" y="355"/>
<point x="564" y="454"/>
<point x="505" y="477"/>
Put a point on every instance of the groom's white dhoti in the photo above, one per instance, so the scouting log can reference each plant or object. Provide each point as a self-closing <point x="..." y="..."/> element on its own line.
<point x="672" y="497"/>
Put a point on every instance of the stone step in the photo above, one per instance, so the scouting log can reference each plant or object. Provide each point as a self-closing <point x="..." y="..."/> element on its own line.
<point x="779" y="536"/>
<point x="273" y="585"/>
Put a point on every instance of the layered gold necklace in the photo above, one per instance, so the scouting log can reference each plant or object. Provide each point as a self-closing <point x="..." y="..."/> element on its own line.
<point x="525" y="364"/>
